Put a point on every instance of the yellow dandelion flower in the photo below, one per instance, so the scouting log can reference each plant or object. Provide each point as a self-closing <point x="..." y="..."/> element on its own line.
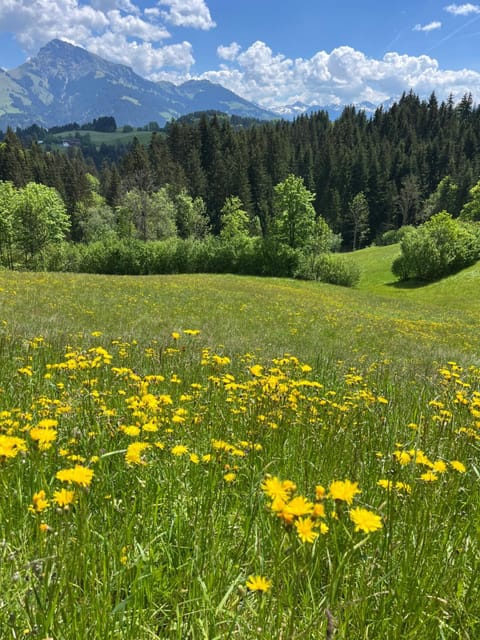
<point x="179" y="450"/>
<point x="77" y="475"/>
<point x="39" y="502"/>
<point x="403" y="457"/>
<point x="421" y="458"/>
<point x="458" y="466"/>
<point x="10" y="446"/>
<point x="130" y="430"/>
<point x="365" y="520"/>
<point x="385" y="484"/>
<point x="134" y="452"/>
<point x="429" y="476"/>
<point x="296" y="507"/>
<point x="403" y="486"/>
<point x="290" y="486"/>
<point x="305" y="531"/>
<point x="439" y="466"/>
<point x="343" y="490"/>
<point x="256" y="370"/>
<point x="230" y="477"/>
<point x="275" y="488"/>
<point x="299" y="506"/>
<point x="43" y="437"/>
<point x="150" y="427"/>
<point x="318" y="510"/>
<point x="175" y="335"/>
<point x="320" y="492"/>
<point x="323" y="528"/>
<point x="258" y="583"/>
<point x="64" y="498"/>
<point x="48" y="423"/>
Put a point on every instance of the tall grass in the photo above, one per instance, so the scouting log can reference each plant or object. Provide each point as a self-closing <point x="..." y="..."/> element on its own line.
<point x="216" y="414"/>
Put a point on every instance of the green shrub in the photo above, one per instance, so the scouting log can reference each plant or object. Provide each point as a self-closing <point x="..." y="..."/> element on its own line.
<point x="331" y="268"/>
<point x="437" y="248"/>
<point x="392" y="236"/>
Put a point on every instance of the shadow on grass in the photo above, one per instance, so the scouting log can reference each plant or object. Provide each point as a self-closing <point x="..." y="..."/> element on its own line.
<point x="409" y="284"/>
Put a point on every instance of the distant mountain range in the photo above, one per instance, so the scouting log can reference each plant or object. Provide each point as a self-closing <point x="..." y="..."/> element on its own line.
<point x="65" y="84"/>
<point x="291" y="111"/>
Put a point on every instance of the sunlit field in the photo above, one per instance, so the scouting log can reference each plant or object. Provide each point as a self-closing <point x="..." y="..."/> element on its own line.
<point x="201" y="457"/>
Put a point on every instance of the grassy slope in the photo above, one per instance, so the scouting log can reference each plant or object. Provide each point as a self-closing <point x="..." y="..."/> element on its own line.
<point x="416" y="326"/>
<point x="169" y="555"/>
<point x="99" y="137"/>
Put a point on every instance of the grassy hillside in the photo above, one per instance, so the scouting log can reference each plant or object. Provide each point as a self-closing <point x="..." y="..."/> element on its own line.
<point x="226" y="457"/>
<point x="99" y="137"/>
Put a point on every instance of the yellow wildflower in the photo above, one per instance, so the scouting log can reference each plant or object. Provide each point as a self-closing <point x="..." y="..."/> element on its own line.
<point x="365" y="520"/>
<point x="64" y="498"/>
<point x="39" y="502"/>
<point x="44" y="437"/>
<point x="179" y="450"/>
<point x="318" y="510"/>
<point x="77" y="475"/>
<point x="134" y="452"/>
<point x="320" y="492"/>
<point x="403" y="457"/>
<point x="429" y="476"/>
<point x="258" y="583"/>
<point x="275" y="488"/>
<point x="256" y="370"/>
<point x="10" y="446"/>
<point x="305" y="532"/>
<point x="343" y="490"/>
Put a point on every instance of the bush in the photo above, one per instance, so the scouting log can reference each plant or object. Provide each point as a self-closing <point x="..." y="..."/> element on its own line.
<point x="331" y="268"/>
<point x="437" y="248"/>
<point x="392" y="236"/>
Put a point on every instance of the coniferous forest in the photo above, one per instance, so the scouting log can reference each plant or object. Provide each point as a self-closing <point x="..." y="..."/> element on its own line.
<point x="208" y="175"/>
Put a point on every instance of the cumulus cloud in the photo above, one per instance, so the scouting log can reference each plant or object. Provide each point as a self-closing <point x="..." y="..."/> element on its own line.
<point x="117" y="30"/>
<point x="187" y="13"/>
<point x="229" y="52"/>
<point x="431" y="26"/>
<point x="342" y="76"/>
<point x="463" y="9"/>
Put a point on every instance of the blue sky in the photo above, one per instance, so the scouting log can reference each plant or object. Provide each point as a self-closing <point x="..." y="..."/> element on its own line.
<point x="273" y="52"/>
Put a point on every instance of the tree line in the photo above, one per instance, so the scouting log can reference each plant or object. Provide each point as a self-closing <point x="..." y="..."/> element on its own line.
<point x="367" y="177"/>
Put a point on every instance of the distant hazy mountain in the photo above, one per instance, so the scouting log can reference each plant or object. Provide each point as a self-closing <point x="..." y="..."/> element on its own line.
<point x="65" y="83"/>
<point x="334" y="111"/>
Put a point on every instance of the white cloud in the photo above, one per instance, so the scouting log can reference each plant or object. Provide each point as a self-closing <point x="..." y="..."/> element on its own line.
<point x="431" y="26"/>
<point x="343" y="76"/>
<point x="187" y="13"/>
<point x="143" y="57"/>
<point x="229" y="52"/>
<point x="462" y="9"/>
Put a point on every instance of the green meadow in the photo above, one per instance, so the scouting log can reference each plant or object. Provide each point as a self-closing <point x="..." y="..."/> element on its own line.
<point x="213" y="457"/>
